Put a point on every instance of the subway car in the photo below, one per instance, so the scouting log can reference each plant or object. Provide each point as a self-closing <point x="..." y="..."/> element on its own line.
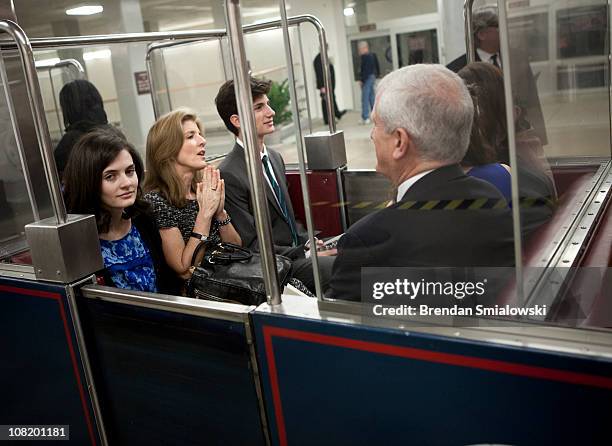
<point x="91" y="364"/>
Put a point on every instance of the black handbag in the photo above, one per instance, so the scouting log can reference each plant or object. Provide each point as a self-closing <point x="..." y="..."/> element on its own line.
<point x="230" y="273"/>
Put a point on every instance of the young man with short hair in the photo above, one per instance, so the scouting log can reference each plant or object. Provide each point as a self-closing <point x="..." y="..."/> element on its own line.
<point x="288" y="237"/>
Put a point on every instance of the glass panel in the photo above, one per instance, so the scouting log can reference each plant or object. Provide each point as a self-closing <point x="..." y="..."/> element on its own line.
<point x="417" y="47"/>
<point x="534" y="29"/>
<point x="581" y="31"/>
<point x="562" y="114"/>
<point x="15" y="199"/>
<point x="194" y="73"/>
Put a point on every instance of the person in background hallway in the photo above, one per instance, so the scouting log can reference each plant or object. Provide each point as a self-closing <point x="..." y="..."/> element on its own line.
<point x="103" y="177"/>
<point x="83" y="110"/>
<point x="485" y="24"/>
<point x="368" y="72"/>
<point x="422" y="122"/>
<point x="318" y="67"/>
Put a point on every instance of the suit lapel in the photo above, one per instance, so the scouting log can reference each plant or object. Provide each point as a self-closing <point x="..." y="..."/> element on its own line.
<point x="279" y="174"/>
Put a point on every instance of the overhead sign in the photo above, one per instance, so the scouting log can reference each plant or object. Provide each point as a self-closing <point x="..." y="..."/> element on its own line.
<point x="518" y="4"/>
<point x="367" y="27"/>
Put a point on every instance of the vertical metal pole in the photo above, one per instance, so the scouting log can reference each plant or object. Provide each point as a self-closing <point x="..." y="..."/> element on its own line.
<point x="470" y="50"/>
<point x="78" y="331"/>
<point x="244" y="101"/>
<point x="154" y="98"/>
<point x="57" y="109"/>
<point x="326" y="77"/>
<point x="299" y="33"/>
<point x="609" y="79"/>
<point x="223" y="62"/>
<point x="300" y="147"/>
<point x="342" y="198"/>
<point x="163" y="62"/>
<point x="516" y="207"/>
<point x="40" y="121"/>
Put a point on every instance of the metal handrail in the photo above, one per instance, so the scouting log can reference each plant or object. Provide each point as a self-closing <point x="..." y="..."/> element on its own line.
<point x="516" y="216"/>
<point x="470" y="50"/>
<point x="40" y="122"/>
<point x="202" y="36"/>
<point x="69" y="63"/>
<point x="106" y="39"/>
<point x="301" y="151"/>
<point x="244" y="101"/>
<point x="299" y="33"/>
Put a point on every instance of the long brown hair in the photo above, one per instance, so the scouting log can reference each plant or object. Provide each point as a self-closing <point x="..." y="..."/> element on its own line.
<point x="164" y="143"/>
<point x="489" y="131"/>
<point x="83" y="175"/>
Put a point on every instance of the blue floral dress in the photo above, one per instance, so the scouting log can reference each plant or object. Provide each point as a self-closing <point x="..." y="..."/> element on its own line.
<point x="128" y="261"/>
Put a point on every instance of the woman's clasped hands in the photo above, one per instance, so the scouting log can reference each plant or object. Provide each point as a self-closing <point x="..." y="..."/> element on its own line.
<point x="211" y="193"/>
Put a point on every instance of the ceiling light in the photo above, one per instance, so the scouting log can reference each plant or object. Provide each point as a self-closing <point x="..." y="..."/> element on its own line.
<point x="100" y="54"/>
<point x="44" y="63"/>
<point x="85" y="10"/>
<point x="349" y="12"/>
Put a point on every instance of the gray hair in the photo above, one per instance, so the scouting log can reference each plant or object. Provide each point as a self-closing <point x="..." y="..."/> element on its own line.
<point x="484" y="18"/>
<point x="363" y="44"/>
<point x="433" y="105"/>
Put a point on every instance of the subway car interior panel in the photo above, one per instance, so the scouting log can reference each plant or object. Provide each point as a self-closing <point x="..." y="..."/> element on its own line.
<point x="403" y="208"/>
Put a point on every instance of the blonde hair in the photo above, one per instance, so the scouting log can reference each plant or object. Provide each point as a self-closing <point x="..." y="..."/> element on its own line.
<point x="164" y="143"/>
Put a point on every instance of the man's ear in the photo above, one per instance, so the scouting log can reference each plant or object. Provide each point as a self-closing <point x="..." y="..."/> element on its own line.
<point x="235" y="120"/>
<point x="402" y="143"/>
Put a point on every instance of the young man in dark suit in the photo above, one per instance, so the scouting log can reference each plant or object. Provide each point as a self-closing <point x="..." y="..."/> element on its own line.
<point x="288" y="237"/>
<point x="422" y="121"/>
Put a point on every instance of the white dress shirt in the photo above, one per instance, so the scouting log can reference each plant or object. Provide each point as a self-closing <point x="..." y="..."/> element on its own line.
<point x="486" y="57"/>
<point x="403" y="188"/>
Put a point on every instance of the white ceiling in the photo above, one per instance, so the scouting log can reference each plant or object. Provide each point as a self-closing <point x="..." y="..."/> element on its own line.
<point x="46" y="18"/>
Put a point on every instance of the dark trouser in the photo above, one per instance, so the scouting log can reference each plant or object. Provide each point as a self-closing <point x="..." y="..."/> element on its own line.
<point x="302" y="270"/>
<point x="324" y="107"/>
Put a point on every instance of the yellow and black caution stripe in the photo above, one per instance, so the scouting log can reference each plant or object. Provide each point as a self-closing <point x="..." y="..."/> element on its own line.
<point x="446" y="205"/>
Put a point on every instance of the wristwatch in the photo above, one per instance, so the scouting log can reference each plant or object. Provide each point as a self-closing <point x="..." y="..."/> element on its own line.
<point x="204" y="238"/>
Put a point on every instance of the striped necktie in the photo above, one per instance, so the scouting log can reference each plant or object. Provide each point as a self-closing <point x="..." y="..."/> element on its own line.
<point x="280" y="198"/>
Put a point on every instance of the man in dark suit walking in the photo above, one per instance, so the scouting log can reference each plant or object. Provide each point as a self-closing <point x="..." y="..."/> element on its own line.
<point x="288" y="237"/>
<point x="485" y="25"/>
<point x="422" y="121"/>
<point x="318" y="67"/>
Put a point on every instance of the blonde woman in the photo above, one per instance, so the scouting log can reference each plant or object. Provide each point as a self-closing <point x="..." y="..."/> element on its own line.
<point x="187" y="195"/>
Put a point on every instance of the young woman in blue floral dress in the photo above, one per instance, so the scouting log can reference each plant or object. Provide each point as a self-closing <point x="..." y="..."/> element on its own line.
<point x="102" y="178"/>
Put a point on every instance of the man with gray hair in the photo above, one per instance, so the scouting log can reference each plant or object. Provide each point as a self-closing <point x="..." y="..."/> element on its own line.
<point x="422" y="117"/>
